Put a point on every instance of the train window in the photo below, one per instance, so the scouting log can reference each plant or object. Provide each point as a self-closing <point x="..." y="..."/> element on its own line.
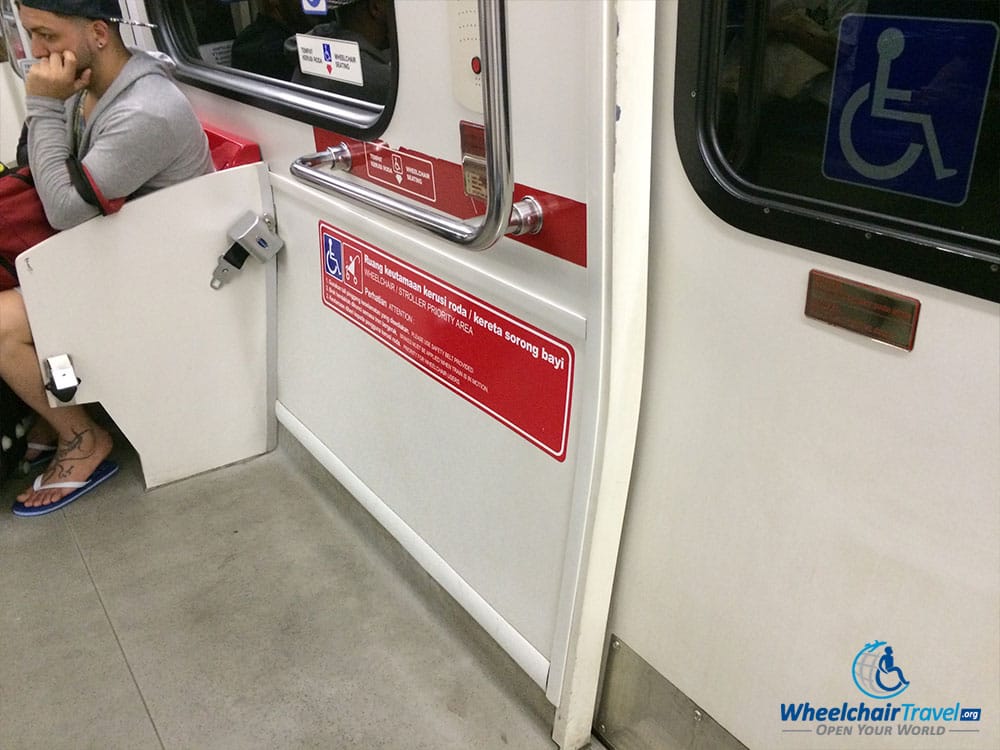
<point x="864" y="129"/>
<point x="12" y="46"/>
<point x="332" y="64"/>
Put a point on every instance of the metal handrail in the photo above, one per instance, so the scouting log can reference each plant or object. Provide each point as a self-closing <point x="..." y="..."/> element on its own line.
<point x="502" y="215"/>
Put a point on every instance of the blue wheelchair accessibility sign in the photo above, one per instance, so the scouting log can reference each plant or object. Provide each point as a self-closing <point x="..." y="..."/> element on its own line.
<point x="333" y="258"/>
<point x="907" y="104"/>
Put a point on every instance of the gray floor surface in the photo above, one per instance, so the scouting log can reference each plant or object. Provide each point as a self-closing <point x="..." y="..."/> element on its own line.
<point x="256" y="606"/>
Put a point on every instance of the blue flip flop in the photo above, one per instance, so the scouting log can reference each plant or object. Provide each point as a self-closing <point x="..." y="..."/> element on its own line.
<point x="104" y="471"/>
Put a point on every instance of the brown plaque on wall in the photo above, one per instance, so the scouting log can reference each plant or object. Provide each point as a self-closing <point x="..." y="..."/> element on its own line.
<point x="868" y="310"/>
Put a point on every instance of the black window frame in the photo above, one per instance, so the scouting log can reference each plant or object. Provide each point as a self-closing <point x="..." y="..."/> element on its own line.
<point x="946" y="258"/>
<point x="321" y="109"/>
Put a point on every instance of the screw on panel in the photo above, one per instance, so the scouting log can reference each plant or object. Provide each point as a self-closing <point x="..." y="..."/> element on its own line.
<point x="616" y="645"/>
<point x="697" y="715"/>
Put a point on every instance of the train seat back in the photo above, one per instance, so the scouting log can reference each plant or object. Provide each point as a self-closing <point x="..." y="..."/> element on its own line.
<point x="230" y="150"/>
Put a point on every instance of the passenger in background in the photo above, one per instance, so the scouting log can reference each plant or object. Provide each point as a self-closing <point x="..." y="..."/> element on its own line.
<point x="105" y="123"/>
<point x="260" y="47"/>
<point x="808" y="29"/>
<point x="365" y="22"/>
<point x="212" y="20"/>
<point x="800" y="52"/>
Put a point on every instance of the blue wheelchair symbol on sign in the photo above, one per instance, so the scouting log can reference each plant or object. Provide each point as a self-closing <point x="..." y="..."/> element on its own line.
<point x="907" y="104"/>
<point x="314" y="7"/>
<point x="333" y="257"/>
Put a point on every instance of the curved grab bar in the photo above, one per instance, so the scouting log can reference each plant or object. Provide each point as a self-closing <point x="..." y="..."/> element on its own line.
<point x="502" y="215"/>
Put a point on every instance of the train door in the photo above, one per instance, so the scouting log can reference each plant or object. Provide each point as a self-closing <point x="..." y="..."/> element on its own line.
<point x="447" y="192"/>
<point x="810" y="555"/>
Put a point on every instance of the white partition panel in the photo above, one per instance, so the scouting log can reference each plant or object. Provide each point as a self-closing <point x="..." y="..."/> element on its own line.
<point x="183" y="369"/>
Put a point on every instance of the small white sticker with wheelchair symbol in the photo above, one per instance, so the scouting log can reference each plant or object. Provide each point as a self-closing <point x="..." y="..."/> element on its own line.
<point x="330" y="58"/>
<point x="314" y="7"/>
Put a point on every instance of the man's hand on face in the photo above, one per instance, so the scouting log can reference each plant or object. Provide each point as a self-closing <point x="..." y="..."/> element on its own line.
<point x="56" y="76"/>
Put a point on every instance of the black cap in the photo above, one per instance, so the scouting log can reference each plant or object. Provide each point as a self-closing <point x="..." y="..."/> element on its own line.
<point x="105" y="9"/>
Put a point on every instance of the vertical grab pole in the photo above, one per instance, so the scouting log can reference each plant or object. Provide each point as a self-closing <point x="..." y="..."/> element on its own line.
<point x="496" y="119"/>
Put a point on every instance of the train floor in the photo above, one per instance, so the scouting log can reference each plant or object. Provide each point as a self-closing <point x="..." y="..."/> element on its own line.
<point x="256" y="606"/>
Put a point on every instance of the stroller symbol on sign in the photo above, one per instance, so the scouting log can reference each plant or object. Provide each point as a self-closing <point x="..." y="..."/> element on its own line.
<point x="352" y="275"/>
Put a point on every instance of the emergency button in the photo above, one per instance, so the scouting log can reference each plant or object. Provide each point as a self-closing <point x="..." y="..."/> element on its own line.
<point x="477" y="65"/>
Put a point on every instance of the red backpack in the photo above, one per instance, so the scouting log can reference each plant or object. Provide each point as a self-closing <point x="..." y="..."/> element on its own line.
<point x="22" y="221"/>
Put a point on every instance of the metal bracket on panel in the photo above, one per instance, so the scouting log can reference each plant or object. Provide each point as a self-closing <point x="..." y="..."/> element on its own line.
<point x="641" y="710"/>
<point x="526" y="216"/>
<point x="251" y="235"/>
<point x="60" y="378"/>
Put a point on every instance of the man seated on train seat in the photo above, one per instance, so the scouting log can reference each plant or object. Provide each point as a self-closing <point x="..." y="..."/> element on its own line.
<point x="105" y="123"/>
<point x="260" y="47"/>
<point x="365" y="22"/>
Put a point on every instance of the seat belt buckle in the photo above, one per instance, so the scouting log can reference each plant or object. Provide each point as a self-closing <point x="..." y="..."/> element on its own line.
<point x="223" y="272"/>
<point x="251" y="235"/>
<point x="255" y="235"/>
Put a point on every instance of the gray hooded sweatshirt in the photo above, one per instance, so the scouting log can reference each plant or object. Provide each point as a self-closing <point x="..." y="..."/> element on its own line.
<point x="142" y="135"/>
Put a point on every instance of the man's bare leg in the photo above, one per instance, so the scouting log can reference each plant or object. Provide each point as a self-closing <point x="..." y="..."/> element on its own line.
<point x="82" y="443"/>
<point x="41" y="433"/>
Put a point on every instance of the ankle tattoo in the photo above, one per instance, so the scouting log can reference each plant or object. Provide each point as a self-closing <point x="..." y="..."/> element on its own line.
<point x="63" y="464"/>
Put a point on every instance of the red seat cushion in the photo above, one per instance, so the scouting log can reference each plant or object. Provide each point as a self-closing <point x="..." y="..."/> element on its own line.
<point x="229" y="149"/>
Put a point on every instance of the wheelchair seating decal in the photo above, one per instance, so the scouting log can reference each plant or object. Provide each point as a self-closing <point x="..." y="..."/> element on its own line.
<point x="314" y="7"/>
<point x="333" y="254"/>
<point x="907" y="104"/>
